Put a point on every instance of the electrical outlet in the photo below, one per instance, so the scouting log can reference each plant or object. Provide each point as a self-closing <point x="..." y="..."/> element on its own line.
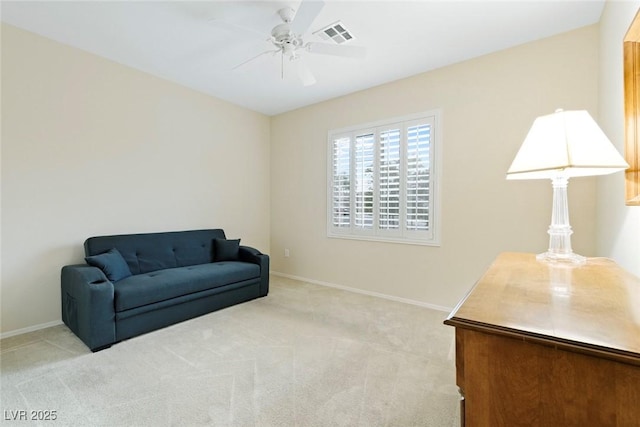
<point x="286" y="253"/>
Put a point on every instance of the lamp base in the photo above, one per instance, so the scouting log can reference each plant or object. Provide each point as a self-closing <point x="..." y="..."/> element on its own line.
<point x="570" y="258"/>
<point x="560" y="230"/>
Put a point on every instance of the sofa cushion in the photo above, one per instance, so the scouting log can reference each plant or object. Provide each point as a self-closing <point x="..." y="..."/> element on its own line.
<point x="226" y="250"/>
<point x="149" y="252"/>
<point x="161" y="285"/>
<point x="111" y="263"/>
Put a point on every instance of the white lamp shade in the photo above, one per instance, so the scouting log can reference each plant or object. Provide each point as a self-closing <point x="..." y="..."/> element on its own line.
<point x="568" y="144"/>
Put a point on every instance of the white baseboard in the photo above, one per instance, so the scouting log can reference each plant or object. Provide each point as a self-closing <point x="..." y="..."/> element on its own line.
<point x="361" y="291"/>
<point x="30" y="329"/>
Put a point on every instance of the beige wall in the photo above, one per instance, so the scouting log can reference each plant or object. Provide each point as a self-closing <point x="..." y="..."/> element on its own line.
<point x="91" y="147"/>
<point x="618" y="225"/>
<point x="488" y="105"/>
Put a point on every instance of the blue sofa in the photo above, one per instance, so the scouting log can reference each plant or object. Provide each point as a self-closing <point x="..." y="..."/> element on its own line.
<point x="136" y="283"/>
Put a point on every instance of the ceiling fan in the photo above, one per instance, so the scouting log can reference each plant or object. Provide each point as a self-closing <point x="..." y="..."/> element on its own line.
<point x="287" y="38"/>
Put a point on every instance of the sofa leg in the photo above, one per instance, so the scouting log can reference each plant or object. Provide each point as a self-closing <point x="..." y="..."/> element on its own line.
<point x="104" y="347"/>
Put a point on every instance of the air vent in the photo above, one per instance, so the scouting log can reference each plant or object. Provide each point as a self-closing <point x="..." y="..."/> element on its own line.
<point x="336" y="32"/>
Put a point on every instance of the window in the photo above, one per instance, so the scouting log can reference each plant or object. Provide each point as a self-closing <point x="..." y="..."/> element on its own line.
<point x="382" y="180"/>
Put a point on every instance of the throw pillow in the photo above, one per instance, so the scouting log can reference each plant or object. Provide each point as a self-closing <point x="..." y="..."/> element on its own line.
<point x="111" y="263"/>
<point x="226" y="250"/>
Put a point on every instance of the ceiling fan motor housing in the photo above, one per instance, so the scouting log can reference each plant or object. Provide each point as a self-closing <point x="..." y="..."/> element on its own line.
<point x="283" y="38"/>
<point x="282" y="33"/>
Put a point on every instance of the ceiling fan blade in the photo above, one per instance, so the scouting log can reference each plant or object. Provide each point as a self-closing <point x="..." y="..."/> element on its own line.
<point x="255" y="57"/>
<point x="305" y="15"/>
<point x="337" y="50"/>
<point x="305" y="74"/>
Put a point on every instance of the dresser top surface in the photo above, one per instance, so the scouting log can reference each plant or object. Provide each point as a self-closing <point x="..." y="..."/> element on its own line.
<point x="595" y="305"/>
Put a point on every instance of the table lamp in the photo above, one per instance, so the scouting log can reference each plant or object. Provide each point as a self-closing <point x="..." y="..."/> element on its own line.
<point x="560" y="146"/>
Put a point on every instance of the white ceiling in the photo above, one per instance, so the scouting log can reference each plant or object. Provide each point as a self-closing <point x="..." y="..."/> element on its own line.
<point x="193" y="43"/>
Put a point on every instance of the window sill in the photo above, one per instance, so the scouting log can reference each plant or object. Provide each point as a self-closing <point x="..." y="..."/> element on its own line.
<point x="382" y="239"/>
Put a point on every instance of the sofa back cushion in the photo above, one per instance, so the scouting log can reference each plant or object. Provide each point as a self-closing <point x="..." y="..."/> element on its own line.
<point x="156" y="251"/>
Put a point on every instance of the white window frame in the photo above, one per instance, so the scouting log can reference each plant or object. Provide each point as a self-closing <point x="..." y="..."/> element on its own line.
<point x="430" y="237"/>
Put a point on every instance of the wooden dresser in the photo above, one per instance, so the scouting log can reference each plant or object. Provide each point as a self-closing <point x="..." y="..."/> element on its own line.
<point x="547" y="345"/>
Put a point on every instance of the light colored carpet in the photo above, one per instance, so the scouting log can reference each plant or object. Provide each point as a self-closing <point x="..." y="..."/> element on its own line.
<point x="306" y="355"/>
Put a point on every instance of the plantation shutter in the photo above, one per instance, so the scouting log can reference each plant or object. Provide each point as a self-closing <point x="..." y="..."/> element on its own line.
<point x="417" y="177"/>
<point x="389" y="180"/>
<point x="341" y="188"/>
<point x="364" y="156"/>
<point x="381" y="181"/>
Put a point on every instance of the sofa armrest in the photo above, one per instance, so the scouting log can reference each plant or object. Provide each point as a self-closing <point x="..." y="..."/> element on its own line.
<point x="249" y="254"/>
<point x="88" y="306"/>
